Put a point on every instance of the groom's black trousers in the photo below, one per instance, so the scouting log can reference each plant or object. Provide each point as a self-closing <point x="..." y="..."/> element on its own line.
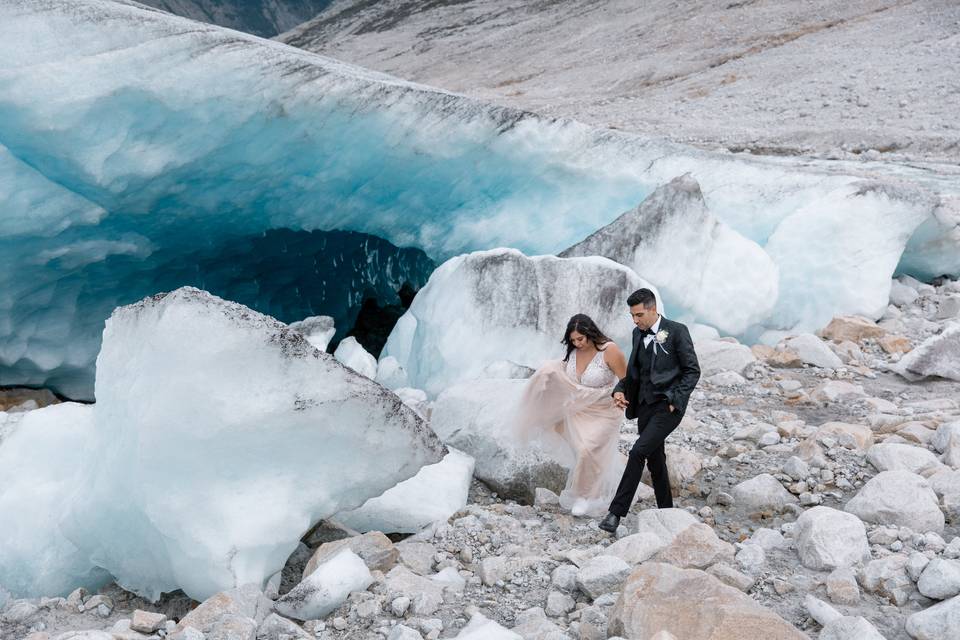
<point x="654" y="423"/>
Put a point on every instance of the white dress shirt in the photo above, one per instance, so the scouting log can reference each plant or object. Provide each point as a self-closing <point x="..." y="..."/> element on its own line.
<point x="654" y="328"/>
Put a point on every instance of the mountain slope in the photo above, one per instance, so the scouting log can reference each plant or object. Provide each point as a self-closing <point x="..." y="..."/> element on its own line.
<point x="827" y="77"/>
<point x="259" y="17"/>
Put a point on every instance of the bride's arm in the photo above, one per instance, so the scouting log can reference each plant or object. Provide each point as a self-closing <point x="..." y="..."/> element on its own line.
<point x="615" y="359"/>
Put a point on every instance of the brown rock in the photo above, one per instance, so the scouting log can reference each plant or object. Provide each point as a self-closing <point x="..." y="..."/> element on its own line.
<point x="849" y="436"/>
<point x="697" y="547"/>
<point x="762" y="351"/>
<point x="692" y="604"/>
<point x="785" y="359"/>
<point x="853" y="329"/>
<point x="16" y="396"/>
<point x="895" y="344"/>
<point x="374" y="548"/>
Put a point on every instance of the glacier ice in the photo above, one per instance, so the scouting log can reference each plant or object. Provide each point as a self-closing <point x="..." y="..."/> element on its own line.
<point x="433" y="495"/>
<point x="351" y="354"/>
<point x="701" y="265"/>
<point x="479" y="308"/>
<point x="41" y="459"/>
<point x="218" y="439"/>
<point x="132" y="141"/>
<point x="390" y="374"/>
<point x="318" y="330"/>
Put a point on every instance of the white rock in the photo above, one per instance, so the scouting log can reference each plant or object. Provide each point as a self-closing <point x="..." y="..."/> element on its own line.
<point x="559" y="604"/>
<point x="891" y="456"/>
<point x="276" y="627"/>
<point x="390" y="374"/>
<point x="820" y="610"/>
<point x="727" y="379"/>
<point x="937" y="622"/>
<point x="224" y="385"/>
<point x="940" y="579"/>
<point x="751" y="558"/>
<point x="433" y="495"/>
<point x="899" y="498"/>
<point x="814" y="351"/>
<point x="828" y="539"/>
<point x="717" y="356"/>
<point x="796" y="468"/>
<point x="665" y="524"/>
<point x="762" y="492"/>
<point x="326" y="588"/>
<point x="937" y="356"/>
<point x="351" y="354"/>
<point x="602" y="574"/>
<point x="944" y="435"/>
<point x="636" y="548"/>
<point x="850" y="628"/>
<point x="403" y="632"/>
<point x="769" y="539"/>
<point x="836" y="390"/>
<point x="916" y="563"/>
<point x="901" y="294"/>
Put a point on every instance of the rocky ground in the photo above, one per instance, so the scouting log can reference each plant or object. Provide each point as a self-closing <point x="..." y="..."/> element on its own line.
<point x="817" y="493"/>
<point x="869" y="79"/>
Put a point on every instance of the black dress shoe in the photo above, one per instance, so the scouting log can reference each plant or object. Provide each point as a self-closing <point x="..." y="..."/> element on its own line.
<point x="610" y="523"/>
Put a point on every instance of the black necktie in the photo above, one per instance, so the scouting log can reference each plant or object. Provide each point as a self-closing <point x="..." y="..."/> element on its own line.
<point x="645" y="332"/>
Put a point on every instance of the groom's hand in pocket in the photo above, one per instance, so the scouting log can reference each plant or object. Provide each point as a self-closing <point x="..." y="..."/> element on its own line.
<point x="620" y="400"/>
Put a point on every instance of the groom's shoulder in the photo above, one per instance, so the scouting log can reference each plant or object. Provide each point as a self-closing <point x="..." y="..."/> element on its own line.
<point x="673" y="325"/>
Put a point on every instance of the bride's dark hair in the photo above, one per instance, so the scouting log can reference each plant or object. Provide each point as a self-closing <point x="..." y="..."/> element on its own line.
<point x="584" y="325"/>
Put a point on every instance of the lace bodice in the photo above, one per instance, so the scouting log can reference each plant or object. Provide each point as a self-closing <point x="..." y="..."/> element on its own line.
<point x="596" y="375"/>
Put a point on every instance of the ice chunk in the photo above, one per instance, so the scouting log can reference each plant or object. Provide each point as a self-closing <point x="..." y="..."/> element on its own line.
<point x="938" y="356"/>
<point x="700" y="264"/>
<point x="128" y="135"/>
<point x="326" y="588"/>
<point x="40" y="468"/>
<point x="480" y="307"/>
<point x="433" y="495"/>
<point x="221" y="437"/>
<point x="390" y="374"/>
<point x="353" y="355"/>
<point x="318" y="330"/>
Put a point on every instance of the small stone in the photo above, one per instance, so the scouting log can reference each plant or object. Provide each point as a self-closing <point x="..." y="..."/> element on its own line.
<point x="940" y="579"/>
<point x="842" y="587"/>
<point x="399" y="606"/>
<point x="402" y="632"/>
<point x="601" y="575"/>
<point x="559" y="604"/>
<point x="728" y="575"/>
<point x="340" y="623"/>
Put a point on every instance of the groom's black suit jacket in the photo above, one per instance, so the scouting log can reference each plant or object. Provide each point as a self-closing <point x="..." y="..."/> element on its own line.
<point x="674" y="371"/>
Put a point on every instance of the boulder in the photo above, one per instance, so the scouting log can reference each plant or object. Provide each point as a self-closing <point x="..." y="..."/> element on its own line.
<point x="279" y="628"/>
<point x="246" y="601"/>
<point x="762" y="493"/>
<point x="682" y="467"/>
<point x="689" y="603"/>
<point x="937" y="356"/>
<point x="899" y="498"/>
<point x="602" y="574"/>
<point x="827" y="539"/>
<point x="892" y="456"/>
<point x="375" y="549"/>
<point x="853" y="329"/>
<point x="326" y="587"/>
<point x="937" y="622"/>
<point x="813" y="351"/>
<point x="665" y="524"/>
<point x="696" y="547"/>
<point x="836" y="390"/>
<point x="850" y="628"/>
<point x="636" y="548"/>
<point x="940" y="579"/>
<point x="849" y="436"/>
<point x="481" y="628"/>
<point x="887" y="577"/>
<point x="716" y="356"/>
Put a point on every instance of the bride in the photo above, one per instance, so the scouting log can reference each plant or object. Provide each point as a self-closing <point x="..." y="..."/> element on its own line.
<point x="567" y="408"/>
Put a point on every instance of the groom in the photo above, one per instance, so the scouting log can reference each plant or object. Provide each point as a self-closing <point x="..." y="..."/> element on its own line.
<point x="661" y="374"/>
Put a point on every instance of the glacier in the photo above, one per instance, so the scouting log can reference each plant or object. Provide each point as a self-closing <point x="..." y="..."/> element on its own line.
<point x="216" y="442"/>
<point x="131" y="139"/>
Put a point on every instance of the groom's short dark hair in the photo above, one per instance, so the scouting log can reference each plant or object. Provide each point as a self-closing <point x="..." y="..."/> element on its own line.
<point x="642" y="296"/>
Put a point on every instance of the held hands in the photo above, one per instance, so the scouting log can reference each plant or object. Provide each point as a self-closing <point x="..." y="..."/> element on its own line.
<point x="620" y="400"/>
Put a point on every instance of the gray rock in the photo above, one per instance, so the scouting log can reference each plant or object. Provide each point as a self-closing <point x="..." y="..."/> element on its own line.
<point x="916" y="563"/>
<point x="937" y="622"/>
<point x="717" y="356"/>
<point x="887" y="577"/>
<point x="565" y="577"/>
<point x="752" y="558"/>
<point x="246" y="601"/>
<point x="899" y="498"/>
<point x="820" y="610"/>
<point x="850" y="628"/>
<point x="601" y="575"/>
<point x="636" y="548"/>
<point x="796" y="468"/>
<point x="730" y="576"/>
<point x="828" y="539"/>
<point x="275" y="627"/>
<point x="19" y="612"/>
<point x="842" y="587"/>
<point x="940" y="579"/>
<point x="814" y="351"/>
<point x="762" y="493"/>
<point x="902" y="457"/>
<point x="402" y="632"/>
<point x="233" y="627"/>
<point x="533" y="624"/>
<point x="417" y="556"/>
<point x="147" y="621"/>
<point x="559" y="604"/>
<point x="936" y="356"/>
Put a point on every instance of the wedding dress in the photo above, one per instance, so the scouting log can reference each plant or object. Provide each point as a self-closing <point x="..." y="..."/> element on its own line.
<point x="575" y="420"/>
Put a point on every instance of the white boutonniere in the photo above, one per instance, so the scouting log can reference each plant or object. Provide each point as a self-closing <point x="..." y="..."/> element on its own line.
<point x="661" y="338"/>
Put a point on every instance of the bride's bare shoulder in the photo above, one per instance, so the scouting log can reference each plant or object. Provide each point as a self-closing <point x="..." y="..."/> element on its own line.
<point x="611" y="349"/>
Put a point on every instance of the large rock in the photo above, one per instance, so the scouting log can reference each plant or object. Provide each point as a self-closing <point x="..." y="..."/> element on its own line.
<point x="940" y="579"/>
<point x="894" y="456"/>
<point x="245" y="602"/>
<point x="501" y="312"/>
<point x="938" y="622"/>
<point x="665" y="524"/>
<point x="814" y="351"/>
<point x="828" y="539"/>
<point x="375" y="549"/>
<point x="433" y="495"/>
<point x="482" y="628"/>
<point x="762" y="493"/>
<point x="602" y="574"/>
<point x="476" y="417"/>
<point x="691" y="604"/>
<point x="850" y="436"/>
<point x="853" y="329"/>
<point x="899" y="498"/>
<point x="220" y="438"/>
<point x="326" y="587"/>
<point x="674" y="240"/>
<point x="636" y="548"/>
<point x="887" y="577"/>
<point x="937" y="356"/>
<point x="683" y="465"/>
<point x="697" y="547"/>
<point x="850" y="628"/>
<point x="716" y="356"/>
